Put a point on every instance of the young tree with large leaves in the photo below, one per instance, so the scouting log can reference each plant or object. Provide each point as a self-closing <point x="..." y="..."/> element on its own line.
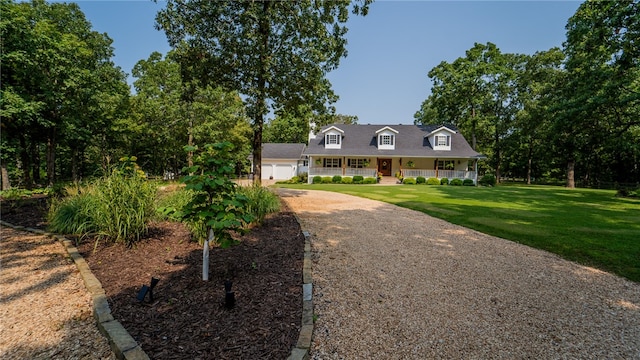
<point x="275" y="53"/>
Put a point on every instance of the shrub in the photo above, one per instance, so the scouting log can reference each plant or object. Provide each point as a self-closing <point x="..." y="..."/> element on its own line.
<point x="347" y="180"/>
<point x="369" y="180"/>
<point x="468" y="182"/>
<point x="304" y="177"/>
<point x="488" y="180"/>
<point x="456" y="182"/>
<point x="336" y="179"/>
<point x="294" y="180"/>
<point x="433" y="181"/>
<point x="409" y="181"/>
<point x="327" y="179"/>
<point x="358" y="179"/>
<point x="444" y="181"/>
<point x="317" y="179"/>
<point x="421" y="180"/>
<point x="261" y="203"/>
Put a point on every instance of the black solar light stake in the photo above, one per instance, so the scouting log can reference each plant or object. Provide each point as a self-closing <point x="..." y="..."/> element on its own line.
<point x="229" y="296"/>
<point x="147" y="290"/>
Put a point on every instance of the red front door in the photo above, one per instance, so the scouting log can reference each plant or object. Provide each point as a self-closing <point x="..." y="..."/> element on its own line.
<point x="384" y="166"/>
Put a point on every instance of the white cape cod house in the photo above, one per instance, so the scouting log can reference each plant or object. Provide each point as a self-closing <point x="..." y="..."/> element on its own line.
<point x="431" y="151"/>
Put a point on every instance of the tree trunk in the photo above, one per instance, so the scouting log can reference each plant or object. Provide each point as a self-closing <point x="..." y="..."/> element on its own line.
<point x="51" y="157"/>
<point x="190" y="143"/>
<point x="35" y="162"/>
<point x="25" y="163"/>
<point x="498" y="156"/>
<point x="529" y="162"/>
<point x="571" y="174"/>
<point x="261" y="104"/>
<point x="6" y="184"/>
<point x="74" y="164"/>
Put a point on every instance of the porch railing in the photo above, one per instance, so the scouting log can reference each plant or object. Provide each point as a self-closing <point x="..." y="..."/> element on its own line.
<point x="449" y="174"/>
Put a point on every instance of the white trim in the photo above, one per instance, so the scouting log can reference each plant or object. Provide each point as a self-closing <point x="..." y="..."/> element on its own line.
<point x="333" y="128"/>
<point x="440" y="129"/>
<point x="387" y="128"/>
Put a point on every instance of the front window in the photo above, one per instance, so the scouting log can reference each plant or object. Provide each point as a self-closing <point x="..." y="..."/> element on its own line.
<point x="446" y="164"/>
<point x="333" y="163"/>
<point x="333" y="139"/>
<point x="357" y="163"/>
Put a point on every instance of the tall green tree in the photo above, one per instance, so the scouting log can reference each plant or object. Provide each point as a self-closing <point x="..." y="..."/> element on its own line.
<point x="599" y="102"/>
<point x="275" y="53"/>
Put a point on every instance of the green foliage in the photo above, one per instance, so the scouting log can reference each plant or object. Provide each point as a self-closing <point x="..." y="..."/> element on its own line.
<point x="336" y="179"/>
<point x="168" y="202"/>
<point x="421" y="180"/>
<point x="409" y="181"/>
<point x="369" y="180"/>
<point x="73" y="215"/>
<point x="261" y="201"/>
<point x="444" y="181"/>
<point x="455" y="182"/>
<point x="317" y="179"/>
<point x="216" y="201"/>
<point x="467" y="182"/>
<point x="433" y="181"/>
<point x="358" y="179"/>
<point x="487" y="180"/>
<point x="347" y="180"/>
<point x="304" y="177"/>
<point x="327" y="179"/>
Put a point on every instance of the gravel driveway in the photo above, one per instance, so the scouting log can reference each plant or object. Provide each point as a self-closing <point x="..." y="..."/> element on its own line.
<point x="392" y="283"/>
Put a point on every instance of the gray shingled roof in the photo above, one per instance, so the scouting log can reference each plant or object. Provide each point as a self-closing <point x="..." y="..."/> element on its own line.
<point x="411" y="141"/>
<point x="282" y="151"/>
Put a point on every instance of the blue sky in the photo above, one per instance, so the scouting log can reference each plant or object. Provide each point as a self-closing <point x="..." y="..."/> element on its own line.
<point x="384" y="79"/>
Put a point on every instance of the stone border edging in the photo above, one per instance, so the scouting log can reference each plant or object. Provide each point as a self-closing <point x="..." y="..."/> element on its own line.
<point x="301" y="350"/>
<point x="121" y="342"/>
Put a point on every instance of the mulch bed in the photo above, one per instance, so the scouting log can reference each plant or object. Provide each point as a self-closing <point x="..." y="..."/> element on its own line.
<point x="187" y="318"/>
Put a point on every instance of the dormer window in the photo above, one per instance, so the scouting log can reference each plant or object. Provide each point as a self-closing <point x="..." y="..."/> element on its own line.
<point x="386" y="138"/>
<point x="443" y="140"/>
<point x="333" y="138"/>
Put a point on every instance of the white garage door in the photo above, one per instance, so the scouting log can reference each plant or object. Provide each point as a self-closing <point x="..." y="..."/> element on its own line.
<point x="267" y="171"/>
<point x="283" y="172"/>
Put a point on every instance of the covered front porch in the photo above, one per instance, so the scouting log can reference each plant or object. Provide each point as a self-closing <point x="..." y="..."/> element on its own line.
<point x="393" y="167"/>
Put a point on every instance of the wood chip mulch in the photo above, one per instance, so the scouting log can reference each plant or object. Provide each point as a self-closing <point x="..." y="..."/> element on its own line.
<point x="188" y="318"/>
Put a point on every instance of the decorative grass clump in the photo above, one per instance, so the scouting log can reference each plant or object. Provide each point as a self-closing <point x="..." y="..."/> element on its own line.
<point x="262" y="201"/>
<point x="433" y="181"/>
<point x="347" y="180"/>
<point x="421" y="180"/>
<point x="358" y="179"/>
<point x="336" y="179"/>
<point x="178" y="199"/>
<point x="409" y="181"/>
<point x="72" y="215"/>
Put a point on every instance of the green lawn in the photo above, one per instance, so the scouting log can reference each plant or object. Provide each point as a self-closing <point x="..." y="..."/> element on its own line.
<point x="592" y="227"/>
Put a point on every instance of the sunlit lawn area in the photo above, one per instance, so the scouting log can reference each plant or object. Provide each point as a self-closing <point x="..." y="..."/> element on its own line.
<point x="592" y="227"/>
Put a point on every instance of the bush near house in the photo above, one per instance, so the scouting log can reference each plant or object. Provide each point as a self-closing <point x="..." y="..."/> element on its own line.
<point x="358" y="179"/>
<point x="369" y="180"/>
<point x="488" y="180"/>
<point x="327" y="179"/>
<point x="347" y="180"/>
<point x="409" y="181"/>
<point x="433" y="181"/>
<point x="317" y="180"/>
<point x="468" y="182"/>
<point x="421" y="180"/>
<point x="455" y="182"/>
<point x="336" y="179"/>
<point x="444" y="181"/>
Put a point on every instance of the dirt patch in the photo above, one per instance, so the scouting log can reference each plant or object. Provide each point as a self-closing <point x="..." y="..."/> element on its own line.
<point x="187" y="318"/>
